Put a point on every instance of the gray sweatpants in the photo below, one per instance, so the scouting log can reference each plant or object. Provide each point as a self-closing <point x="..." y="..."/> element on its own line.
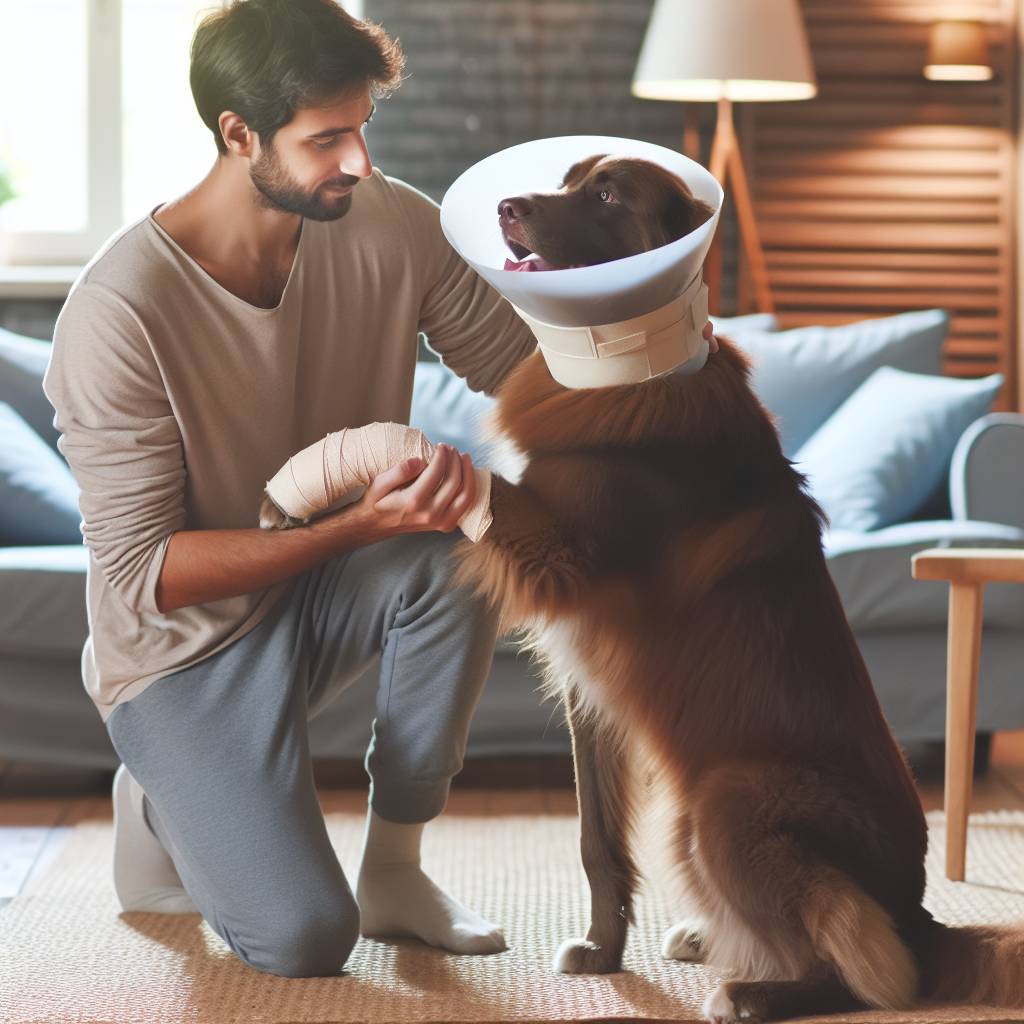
<point x="221" y="749"/>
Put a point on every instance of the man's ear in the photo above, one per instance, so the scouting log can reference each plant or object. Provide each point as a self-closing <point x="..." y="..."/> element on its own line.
<point x="580" y="170"/>
<point x="684" y="213"/>
<point x="236" y="134"/>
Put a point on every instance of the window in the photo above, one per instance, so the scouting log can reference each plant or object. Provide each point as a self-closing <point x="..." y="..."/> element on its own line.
<point x="98" y="125"/>
<point x="42" y="124"/>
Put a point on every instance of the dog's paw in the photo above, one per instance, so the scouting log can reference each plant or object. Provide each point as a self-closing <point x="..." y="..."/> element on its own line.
<point x="271" y="517"/>
<point x="721" y="1008"/>
<point x="580" y="956"/>
<point x="685" y="941"/>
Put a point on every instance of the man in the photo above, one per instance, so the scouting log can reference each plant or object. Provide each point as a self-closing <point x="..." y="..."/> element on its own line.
<point x="277" y="301"/>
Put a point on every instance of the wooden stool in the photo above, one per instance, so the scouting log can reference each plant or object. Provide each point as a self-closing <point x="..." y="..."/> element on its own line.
<point x="967" y="570"/>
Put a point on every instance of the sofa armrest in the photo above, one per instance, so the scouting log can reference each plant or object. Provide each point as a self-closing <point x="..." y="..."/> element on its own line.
<point x="986" y="476"/>
<point x="42" y="603"/>
<point x="872" y="574"/>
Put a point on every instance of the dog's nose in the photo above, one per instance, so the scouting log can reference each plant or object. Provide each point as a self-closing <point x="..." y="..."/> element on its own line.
<point x="514" y="209"/>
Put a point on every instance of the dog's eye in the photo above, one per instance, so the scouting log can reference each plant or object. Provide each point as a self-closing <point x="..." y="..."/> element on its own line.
<point x="607" y="197"/>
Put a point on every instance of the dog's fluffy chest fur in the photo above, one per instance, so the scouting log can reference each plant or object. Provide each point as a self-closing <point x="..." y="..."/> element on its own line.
<point x="556" y="647"/>
<point x="552" y="642"/>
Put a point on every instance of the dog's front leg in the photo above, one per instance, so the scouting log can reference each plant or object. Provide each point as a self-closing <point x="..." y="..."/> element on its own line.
<point x="602" y="790"/>
<point x="523" y="564"/>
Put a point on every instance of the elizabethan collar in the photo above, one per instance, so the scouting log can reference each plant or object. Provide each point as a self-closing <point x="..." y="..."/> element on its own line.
<point x="640" y="316"/>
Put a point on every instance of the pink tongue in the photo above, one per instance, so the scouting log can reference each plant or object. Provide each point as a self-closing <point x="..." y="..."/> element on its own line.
<point x="530" y="263"/>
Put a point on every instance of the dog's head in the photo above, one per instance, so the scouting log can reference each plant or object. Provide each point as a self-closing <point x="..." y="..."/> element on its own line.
<point x="607" y="208"/>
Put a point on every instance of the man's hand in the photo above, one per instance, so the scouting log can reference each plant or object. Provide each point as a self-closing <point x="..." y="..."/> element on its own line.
<point x="709" y="337"/>
<point x="410" y="499"/>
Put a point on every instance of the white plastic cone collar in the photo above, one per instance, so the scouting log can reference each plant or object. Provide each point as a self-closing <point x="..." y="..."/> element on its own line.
<point x="620" y="294"/>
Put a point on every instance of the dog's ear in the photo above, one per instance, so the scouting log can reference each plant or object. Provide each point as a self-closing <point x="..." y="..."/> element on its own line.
<point x="684" y="213"/>
<point x="580" y="170"/>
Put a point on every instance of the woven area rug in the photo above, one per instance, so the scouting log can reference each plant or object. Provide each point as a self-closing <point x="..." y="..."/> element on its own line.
<point x="68" y="956"/>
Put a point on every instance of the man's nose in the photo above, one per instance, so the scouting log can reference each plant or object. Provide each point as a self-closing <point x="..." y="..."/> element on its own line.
<point x="356" y="158"/>
<point x="514" y="208"/>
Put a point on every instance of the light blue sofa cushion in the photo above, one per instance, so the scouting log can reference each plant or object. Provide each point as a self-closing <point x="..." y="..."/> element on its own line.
<point x="871" y="571"/>
<point x="804" y="375"/>
<point x="38" y="494"/>
<point x="446" y="410"/>
<point x="884" y="452"/>
<point x="22" y="365"/>
<point x="730" y="325"/>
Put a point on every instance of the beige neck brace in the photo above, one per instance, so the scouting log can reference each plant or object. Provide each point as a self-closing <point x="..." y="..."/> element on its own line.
<point x="627" y="352"/>
<point x="315" y="478"/>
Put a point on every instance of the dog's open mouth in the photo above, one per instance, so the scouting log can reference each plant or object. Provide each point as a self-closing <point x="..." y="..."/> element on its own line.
<point x="531" y="262"/>
<point x="525" y="259"/>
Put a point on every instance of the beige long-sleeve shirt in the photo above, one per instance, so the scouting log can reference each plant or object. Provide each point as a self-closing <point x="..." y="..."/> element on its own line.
<point x="176" y="400"/>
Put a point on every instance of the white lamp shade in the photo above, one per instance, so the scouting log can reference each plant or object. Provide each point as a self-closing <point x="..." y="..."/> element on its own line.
<point x="708" y="50"/>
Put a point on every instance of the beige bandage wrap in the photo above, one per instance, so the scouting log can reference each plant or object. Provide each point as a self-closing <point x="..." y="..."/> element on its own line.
<point x="630" y="351"/>
<point x="315" y="478"/>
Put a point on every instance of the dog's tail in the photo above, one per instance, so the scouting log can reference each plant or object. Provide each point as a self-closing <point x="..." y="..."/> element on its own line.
<point x="974" y="964"/>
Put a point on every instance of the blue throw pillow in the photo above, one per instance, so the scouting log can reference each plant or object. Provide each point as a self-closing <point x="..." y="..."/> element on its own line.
<point x="446" y="409"/>
<point x="886" y="449"/>
<point x="23" y="362"/>
<point x="804" y="375"/>
<point x="729" y="325"/>
<point x="38" y="494"/>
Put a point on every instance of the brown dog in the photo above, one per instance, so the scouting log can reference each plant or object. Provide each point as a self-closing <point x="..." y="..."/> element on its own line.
<point x="666" y="561"/>
<point x="608" y="208"/>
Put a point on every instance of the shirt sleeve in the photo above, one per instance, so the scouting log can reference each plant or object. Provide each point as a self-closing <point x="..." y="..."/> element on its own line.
<point x="120" y="438"/>
<point x="474" y="330"/>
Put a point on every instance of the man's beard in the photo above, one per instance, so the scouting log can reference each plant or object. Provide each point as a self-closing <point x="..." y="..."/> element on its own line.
<point x="280" y="191"/>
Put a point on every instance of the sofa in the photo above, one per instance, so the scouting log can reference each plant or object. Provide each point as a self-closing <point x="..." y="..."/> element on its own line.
<point x="828" y="388"/>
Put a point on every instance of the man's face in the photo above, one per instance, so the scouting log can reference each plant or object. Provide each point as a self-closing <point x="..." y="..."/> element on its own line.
<point x="315" y="161"/>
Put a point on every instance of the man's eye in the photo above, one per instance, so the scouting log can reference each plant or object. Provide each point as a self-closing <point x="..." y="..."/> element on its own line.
<point x="325" y="145"/>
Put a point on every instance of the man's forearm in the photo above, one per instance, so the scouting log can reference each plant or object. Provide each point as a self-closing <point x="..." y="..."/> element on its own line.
<point x="208" y="565"/>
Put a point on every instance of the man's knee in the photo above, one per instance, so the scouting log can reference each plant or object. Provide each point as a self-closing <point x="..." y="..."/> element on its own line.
<point x="307" y="942"/>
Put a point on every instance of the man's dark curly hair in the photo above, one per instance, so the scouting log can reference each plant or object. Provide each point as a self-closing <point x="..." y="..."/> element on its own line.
<point x="264" y="59"/>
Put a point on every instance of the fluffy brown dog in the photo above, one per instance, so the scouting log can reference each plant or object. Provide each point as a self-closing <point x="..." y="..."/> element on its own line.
<point x="665" y="560"/>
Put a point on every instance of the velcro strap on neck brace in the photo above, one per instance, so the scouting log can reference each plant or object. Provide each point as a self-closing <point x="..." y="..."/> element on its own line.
<point x="627" y="352"/>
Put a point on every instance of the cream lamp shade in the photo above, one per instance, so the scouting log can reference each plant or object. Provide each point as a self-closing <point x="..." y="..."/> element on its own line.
<point x="958" y="51"/>
<point x="708" y="50"/>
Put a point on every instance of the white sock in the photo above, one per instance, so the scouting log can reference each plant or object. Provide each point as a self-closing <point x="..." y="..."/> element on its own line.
<point x="396" y="898"/>
<point x="145" y="877"/>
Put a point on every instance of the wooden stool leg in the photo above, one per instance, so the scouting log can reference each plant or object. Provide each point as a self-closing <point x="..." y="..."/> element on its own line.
<point x="964" y="654"/>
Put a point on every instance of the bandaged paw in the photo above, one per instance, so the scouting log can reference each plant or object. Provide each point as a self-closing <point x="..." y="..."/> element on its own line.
<point x="314" y="479"/>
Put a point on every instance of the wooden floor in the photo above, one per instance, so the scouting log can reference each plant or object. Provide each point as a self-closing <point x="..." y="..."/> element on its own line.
<point x="33" y="827"/>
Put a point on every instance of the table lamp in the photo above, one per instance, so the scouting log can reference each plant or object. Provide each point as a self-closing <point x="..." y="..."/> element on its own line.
<point x="724" y="51"/>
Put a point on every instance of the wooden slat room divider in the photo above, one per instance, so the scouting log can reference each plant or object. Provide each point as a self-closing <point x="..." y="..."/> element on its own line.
<point x="890" y="192"/>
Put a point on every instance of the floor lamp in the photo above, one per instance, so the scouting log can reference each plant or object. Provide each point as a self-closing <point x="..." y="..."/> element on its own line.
<point x="728" y="51"/>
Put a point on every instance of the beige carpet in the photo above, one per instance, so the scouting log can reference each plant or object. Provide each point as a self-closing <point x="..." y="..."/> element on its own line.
<point x="67" y="956"/>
